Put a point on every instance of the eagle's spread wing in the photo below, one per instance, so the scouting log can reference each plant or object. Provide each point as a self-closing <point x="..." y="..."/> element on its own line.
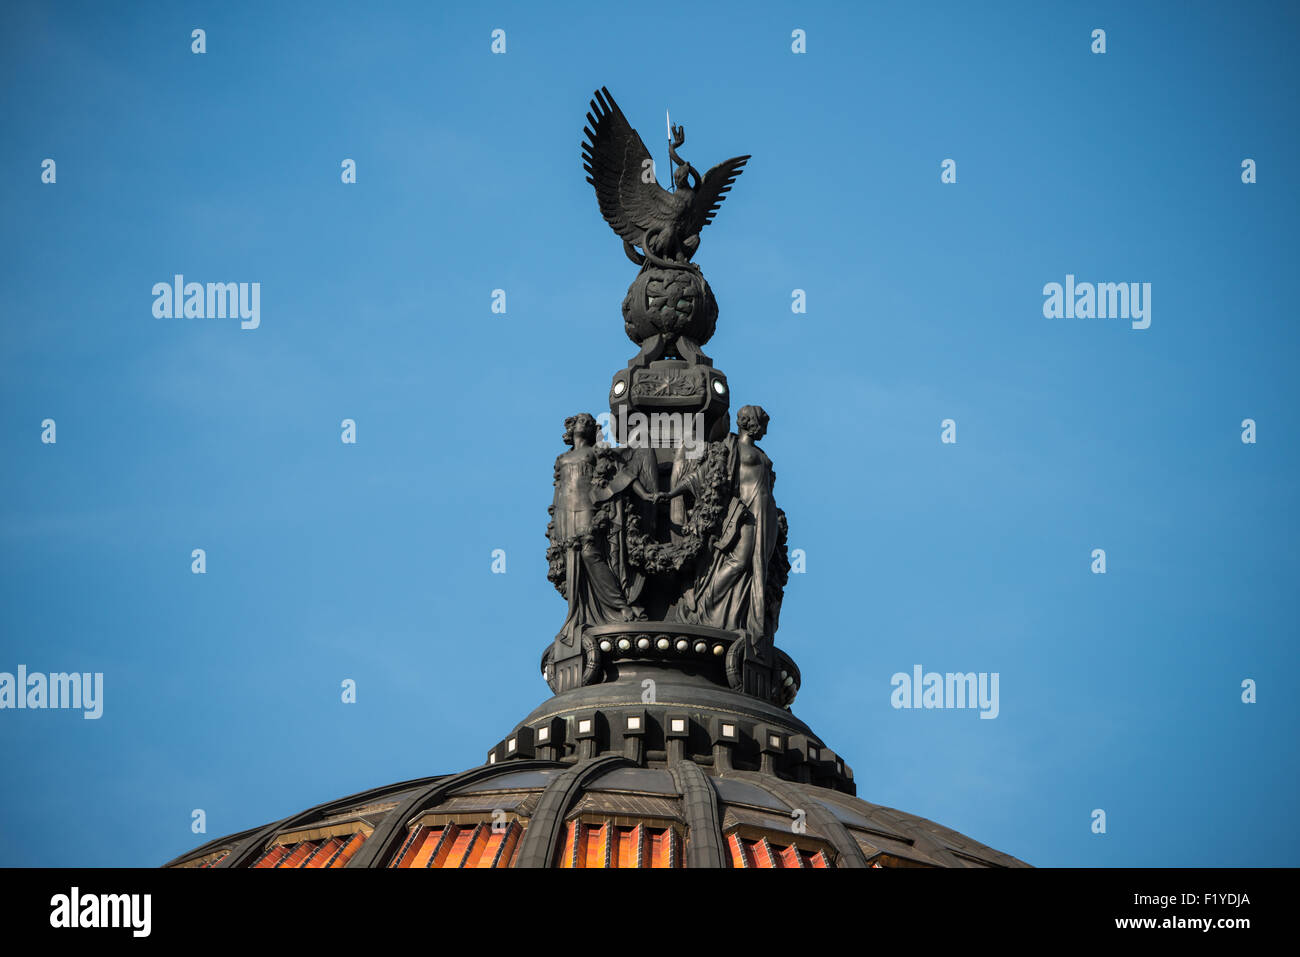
<point x="714" y="188"/>
<point x="614" y="157"/>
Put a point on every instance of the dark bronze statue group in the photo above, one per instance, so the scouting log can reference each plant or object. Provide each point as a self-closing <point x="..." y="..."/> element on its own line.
<point x="661" y="547"/>
<point x="716" y="535"/>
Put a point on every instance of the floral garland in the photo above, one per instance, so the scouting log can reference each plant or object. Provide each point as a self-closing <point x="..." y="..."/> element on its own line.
<point x="778" y="574"/>
<point x="650" y="556"/>
<point x="657" y="558"/>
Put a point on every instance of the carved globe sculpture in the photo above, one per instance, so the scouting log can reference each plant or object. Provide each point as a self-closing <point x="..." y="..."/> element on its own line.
<point x="672" y="303"/>
<point x="670" y="739"/>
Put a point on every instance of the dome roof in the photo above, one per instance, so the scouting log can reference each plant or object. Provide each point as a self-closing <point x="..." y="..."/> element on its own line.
<point x="701" y="777"/>
<point x="602" y="813"/>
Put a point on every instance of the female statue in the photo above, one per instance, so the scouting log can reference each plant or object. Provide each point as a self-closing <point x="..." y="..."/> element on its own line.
<point x="731" y="591"/>
<point x="580" y="532"/>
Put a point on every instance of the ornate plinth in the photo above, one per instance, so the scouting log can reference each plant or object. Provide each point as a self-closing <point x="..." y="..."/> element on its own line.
<point x="725" y="657"/>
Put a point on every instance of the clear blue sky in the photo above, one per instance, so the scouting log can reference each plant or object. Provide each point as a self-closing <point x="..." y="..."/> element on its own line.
<point x="373" y="562"/>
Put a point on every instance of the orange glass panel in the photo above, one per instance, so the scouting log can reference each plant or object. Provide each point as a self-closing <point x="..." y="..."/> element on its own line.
<point x="324" y="854"/>
<point x="349" y="849"/>
<point x="500" y="849"/>
<point x="597" y="845"/>
<point x="436" y="846"/>
<point x="407" y="851"/>
<point x="507" y="856"/>
<point x="423" y="848"/>
<point x="663" y="848"/>
<point x="464" y="842"/>
<point x="572" y="845"/>
<point x="491" y="845"/>
<point x="477" y="846"/>
<point x="628" y="850"/>
<point x="425" y="842"/>
<point x="739" y="854"/>
<point x="791" y="857"/>
<point x="273" y="857"/>
<point x="298" y="855"/>
<point x="422" y="840"/>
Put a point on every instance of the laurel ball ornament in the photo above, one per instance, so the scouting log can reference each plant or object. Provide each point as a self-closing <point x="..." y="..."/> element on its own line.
<point x="672" y="303"/>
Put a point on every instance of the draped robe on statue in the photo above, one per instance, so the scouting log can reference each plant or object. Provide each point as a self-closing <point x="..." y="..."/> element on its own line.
<point x="594" y="591"/>
<point x="731" y="592"/>
<point x="636" y="465"/>
<point x="600" y="582"/>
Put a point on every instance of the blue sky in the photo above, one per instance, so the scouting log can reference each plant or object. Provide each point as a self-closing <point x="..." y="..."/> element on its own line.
<point x="373" y="561"/>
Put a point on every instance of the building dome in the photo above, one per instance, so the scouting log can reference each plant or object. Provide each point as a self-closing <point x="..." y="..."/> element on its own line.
<point x="706" y="777"/>
<point x="670" y="739"/>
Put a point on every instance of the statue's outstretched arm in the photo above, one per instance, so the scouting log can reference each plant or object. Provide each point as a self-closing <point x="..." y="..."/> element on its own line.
<point x="641" y="492"/>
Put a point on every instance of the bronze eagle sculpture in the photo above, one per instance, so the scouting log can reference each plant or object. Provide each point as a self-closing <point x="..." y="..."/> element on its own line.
<point x="665" y="225"/>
